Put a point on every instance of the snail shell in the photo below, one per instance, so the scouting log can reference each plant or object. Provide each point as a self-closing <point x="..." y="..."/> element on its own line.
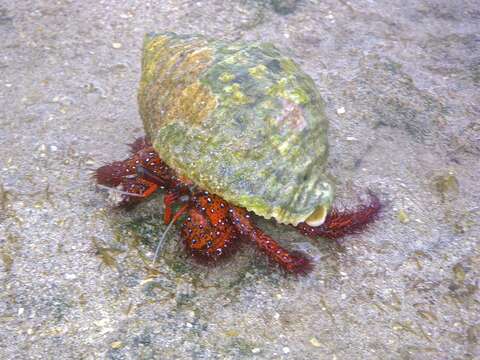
<point x="239" y="120"/>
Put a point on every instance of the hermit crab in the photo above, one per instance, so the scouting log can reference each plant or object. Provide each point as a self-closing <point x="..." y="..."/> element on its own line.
<point x="232" y="129"/>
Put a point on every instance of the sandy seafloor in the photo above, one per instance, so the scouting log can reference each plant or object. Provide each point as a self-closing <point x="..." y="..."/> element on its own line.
<point x="401" y="84"/>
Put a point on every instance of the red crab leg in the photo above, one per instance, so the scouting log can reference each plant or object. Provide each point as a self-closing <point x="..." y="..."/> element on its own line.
<point x="171" y="197"/>
<point x="168" y="201"/>
<point x="340" y="223"/>
<point x="296" y="263"/>
<point x="150" y="190"/>
<point x="180" y="212"/>
<point x="122" y="176"/>
<point x="134" y="190"/>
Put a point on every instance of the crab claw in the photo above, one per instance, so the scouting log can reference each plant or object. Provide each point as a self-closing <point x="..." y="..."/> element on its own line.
<point x="339" y="223"/>
<point x="111" y="174"/>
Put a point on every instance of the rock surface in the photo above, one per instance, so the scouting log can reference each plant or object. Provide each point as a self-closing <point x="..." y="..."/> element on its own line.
<point x="401" y="84"/>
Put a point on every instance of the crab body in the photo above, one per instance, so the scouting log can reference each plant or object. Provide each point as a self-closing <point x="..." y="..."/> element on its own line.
<point x="232" y="129"/>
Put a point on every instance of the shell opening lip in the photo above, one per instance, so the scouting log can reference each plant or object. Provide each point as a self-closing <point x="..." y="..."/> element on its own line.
<point x="317" y="218"/>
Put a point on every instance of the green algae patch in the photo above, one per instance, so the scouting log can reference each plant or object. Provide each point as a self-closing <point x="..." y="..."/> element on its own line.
<point x="446" y="185"/>
<point x="258" y="71"/>
<point x="226" y="77"/>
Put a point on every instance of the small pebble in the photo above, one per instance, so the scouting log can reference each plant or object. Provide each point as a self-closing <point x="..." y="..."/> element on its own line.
<point x="314" y="341"/>
<point x="341" y="111"/>
<point x="102" y="322"/>
<point x="116" y="345"/>
<point x="286" y="350"/>
<point x="232" y="333"/>
<point x="255" y="350"/>
<point x="403" y="217"/>
<point x="459" y="272"/>
<point x="116" y="45"/>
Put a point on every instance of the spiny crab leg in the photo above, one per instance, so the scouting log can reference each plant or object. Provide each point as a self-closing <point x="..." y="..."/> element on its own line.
<point x="339" y="223"/>
<point x="296" y="263"/>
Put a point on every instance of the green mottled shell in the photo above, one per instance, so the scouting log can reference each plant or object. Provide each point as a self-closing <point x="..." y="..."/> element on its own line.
<point x="239" y="120"/>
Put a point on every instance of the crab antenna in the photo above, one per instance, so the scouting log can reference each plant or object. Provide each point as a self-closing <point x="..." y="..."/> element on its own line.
<point x="148" y="175"/>
<point x="161" y="241"/>
<point x="118" y="191"/>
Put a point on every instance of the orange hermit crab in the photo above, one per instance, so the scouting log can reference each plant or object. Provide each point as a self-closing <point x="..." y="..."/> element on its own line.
<point x="232" y="129"/>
